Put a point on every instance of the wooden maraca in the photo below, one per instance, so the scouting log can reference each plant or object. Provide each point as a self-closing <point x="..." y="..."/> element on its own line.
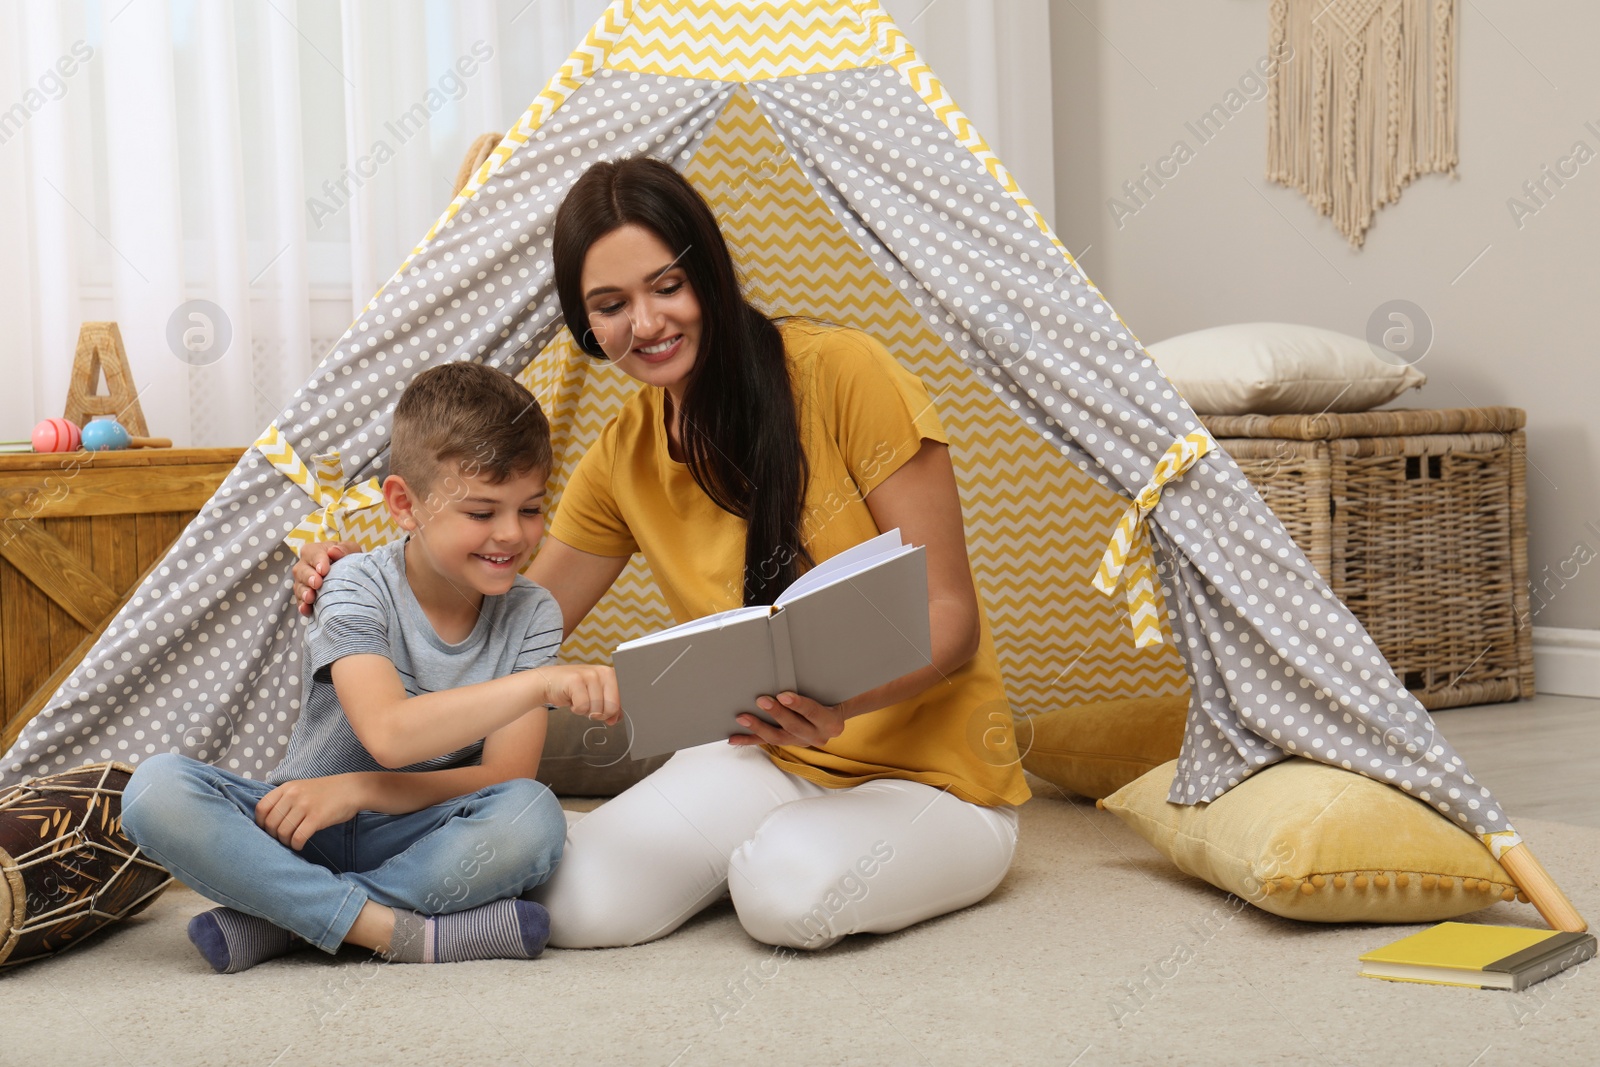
<point x="107" y="434"/>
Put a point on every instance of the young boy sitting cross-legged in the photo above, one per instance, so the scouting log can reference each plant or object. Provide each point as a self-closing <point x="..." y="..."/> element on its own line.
<point x="404" y="816"/>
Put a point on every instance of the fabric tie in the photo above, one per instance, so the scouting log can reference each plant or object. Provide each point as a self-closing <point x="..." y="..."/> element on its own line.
<point x="1501" y="840"/>
<point x="1128" y="556"/>
<point x="325" y="486"/>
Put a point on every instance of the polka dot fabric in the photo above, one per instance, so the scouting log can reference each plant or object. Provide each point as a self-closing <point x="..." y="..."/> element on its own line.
<point x="205" y="658"/>
<point x="1277" y="665"/>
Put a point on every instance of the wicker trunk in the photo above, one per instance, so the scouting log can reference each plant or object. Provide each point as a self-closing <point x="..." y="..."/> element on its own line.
<point x="1417" y="519"/>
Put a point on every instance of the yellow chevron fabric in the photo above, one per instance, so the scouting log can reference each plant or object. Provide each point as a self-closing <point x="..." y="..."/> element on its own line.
<point x="323" y="482"/>
<point x="1036" y="524"/>
<point x="370" y="528"/>
<point x="1128" y="557"/>
<point x="1501" y="840"/>
<point x="742" y="40"/>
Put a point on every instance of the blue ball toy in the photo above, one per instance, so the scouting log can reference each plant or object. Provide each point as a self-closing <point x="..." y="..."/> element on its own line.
<point x="105" y="435"/>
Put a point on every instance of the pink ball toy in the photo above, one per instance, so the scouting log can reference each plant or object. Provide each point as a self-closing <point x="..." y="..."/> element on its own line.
<point x="57" y="435"/>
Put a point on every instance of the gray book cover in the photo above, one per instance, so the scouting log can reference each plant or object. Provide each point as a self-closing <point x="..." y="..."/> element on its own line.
<point x="863" y="625"/>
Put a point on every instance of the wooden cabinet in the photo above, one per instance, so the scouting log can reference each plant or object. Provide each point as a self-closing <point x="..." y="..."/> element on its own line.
<point x="78" y="530"/>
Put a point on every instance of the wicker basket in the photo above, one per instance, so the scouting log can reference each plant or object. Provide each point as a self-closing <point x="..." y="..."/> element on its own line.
<point x="1417" y="519"/>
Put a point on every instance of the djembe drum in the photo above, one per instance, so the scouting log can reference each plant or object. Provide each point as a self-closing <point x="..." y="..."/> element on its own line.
<point x="66" y="870"/>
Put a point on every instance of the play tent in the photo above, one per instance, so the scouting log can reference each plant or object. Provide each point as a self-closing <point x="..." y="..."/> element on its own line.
<point x="850" y="187"/>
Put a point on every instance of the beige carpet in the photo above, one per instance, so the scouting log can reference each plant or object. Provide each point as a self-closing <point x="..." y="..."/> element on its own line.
<point x="1038" y="973"/>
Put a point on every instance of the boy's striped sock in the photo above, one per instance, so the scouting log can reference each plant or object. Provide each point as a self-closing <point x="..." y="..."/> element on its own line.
<point x="233" y="941"/>
<point x="499" y="930"/>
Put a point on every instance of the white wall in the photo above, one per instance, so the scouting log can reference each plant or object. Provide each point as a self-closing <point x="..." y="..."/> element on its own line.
<point x="1218" y="244"/>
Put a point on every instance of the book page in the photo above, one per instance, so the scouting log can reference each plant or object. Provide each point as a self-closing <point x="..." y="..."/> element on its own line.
<point x="852" y="560"/>
<point x="694" y="626"/>
<point x="844" y="574"/>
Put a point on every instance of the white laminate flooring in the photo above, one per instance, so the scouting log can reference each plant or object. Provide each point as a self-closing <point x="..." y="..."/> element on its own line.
<point x="1540" y="757"/>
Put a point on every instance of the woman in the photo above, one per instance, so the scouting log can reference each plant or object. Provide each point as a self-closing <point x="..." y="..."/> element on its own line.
<point x="754" y="451"/>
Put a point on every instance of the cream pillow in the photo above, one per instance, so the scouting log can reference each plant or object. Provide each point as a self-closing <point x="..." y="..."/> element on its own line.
<point x="1274" y="368"/>
<point x="1308" y="841"/>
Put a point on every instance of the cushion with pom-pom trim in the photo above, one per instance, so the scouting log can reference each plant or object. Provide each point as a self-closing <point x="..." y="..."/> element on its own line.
<point x="1308" y="841"/>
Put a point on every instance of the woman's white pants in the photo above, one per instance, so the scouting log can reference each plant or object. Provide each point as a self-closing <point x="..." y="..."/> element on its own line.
<point x="804" y="864"/>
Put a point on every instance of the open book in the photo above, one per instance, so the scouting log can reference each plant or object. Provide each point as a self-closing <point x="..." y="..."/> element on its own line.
<point x="851" y="623"/>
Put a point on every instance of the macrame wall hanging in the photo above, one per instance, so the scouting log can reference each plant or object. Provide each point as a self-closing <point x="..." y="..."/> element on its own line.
<point x="1364" y="102"/>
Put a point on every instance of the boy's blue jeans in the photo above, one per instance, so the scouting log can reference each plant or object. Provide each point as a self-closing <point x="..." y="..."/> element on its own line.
<point x="198" y="821"/>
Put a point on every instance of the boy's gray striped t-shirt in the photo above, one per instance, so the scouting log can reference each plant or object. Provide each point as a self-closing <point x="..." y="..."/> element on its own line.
<point x="366" y="607"/>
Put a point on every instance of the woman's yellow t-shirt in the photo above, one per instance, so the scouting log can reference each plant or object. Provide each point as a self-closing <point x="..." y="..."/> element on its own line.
<point x="861" y="416"/>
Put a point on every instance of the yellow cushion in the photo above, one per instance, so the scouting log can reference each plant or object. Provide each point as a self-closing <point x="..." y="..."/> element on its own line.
<point x="1096" y="749"/>
<point x="1308" y="841"/>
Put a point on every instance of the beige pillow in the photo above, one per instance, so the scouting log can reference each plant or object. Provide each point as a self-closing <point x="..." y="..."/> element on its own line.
<point x="1308" y="841"/>
<point x="1273" y="368"/>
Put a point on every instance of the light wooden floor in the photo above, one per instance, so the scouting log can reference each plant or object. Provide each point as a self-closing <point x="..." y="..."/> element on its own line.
<point x="1541" y="757"/>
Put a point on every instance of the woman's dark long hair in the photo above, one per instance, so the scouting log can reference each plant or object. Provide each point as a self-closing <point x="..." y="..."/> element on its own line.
<point x="740" y="429"/>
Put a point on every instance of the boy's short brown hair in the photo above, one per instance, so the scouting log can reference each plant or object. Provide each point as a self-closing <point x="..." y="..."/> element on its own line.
<point x="470" y="414"/>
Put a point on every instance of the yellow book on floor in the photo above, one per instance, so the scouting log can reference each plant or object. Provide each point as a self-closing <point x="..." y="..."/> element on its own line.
<point x="1479" y="956"/>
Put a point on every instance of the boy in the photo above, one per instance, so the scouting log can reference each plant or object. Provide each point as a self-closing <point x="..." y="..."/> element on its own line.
<point x="403" y="817"/>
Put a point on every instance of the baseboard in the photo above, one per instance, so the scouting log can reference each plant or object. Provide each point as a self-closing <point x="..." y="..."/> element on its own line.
<point x="1566" y="661"/>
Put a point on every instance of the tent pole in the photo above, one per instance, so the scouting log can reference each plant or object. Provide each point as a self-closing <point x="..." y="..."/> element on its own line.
<point x="1534" y="880"/>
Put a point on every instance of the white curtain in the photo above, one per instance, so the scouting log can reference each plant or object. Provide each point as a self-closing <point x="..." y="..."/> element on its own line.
<point x="279" y="158"/>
